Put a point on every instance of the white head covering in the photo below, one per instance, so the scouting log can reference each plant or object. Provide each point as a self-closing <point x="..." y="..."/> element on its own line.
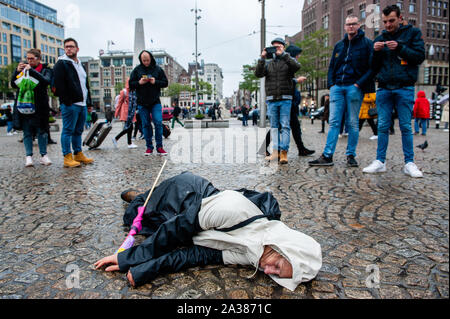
<point x="302" y="251"/>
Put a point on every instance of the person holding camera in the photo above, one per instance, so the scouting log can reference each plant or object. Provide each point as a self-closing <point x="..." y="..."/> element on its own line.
<point x="279" y="73"/>
<point x="38" y="121"/>
<point x="147" y="79"/>
<point x="398" y="52"/>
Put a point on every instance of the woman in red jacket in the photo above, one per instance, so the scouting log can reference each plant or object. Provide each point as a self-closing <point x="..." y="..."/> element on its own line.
<point x="421" y="113"/>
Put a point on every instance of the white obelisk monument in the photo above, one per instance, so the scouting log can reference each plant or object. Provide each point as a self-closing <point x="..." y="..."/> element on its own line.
<point x="139" y="41"/>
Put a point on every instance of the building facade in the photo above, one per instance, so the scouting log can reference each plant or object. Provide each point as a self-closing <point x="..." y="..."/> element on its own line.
<point x="109" y="73"/>
<point x="431" y="16"/>
<point x="28" y="24"/>
<point x="212" y="74"/>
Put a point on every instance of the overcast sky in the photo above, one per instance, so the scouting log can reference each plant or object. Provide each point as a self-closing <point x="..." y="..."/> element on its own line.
<point x="225" y="31"/>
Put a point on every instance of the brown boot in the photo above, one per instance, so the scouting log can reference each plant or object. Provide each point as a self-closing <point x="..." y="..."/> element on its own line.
<point x="83" y="159"/>
<point x="274" y="157"/>
<point x="283" y="157"/>
<point x="69" y="162"/>
<point x="129" y="195"/>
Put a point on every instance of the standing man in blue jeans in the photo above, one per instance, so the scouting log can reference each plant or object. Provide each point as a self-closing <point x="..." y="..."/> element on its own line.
<point x="398" y="52"/>
<point x="147" y="79"/>
<point x="72" y="87"/>
<point x="279" y="74"/>
<point x="349" y="77"/>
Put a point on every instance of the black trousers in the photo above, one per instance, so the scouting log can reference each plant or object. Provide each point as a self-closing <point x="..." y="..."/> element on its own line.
<point x="129" y="132"/>
<point x="372" y="124"/>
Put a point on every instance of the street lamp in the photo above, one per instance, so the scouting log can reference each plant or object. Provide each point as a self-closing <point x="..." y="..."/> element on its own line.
<point x="197" y="17"/>
<point x="262" y="100"/>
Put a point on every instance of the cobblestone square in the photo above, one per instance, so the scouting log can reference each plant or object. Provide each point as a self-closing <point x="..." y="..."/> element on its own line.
<point x="382" y="236"/>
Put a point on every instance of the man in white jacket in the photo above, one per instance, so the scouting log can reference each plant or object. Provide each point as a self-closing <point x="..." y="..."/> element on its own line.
<point x="233" y="231"/>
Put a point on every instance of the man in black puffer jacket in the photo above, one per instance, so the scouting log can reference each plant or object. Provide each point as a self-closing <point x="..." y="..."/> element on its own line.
<point x="398" y="52"/>
<point x="279" y="94"/>
<point x="147" y="79"/>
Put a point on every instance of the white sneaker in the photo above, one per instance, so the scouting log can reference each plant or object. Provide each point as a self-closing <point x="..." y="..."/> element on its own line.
<point x="412" y="170"/>
<point x="376" y="167"/>
<point x="114" y="142"/>
<point x="45" y="160"/>
<point x="9" y="134"/>
<point x="29" y="162"/>
<point x="375" y="137"/>
<point x="15" y="133"/>
<point x="132" y="145"/>
<point x="446" y="130"/>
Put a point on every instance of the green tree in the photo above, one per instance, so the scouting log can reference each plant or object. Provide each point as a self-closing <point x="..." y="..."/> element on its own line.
<point x="314" y="58"/>
<point x="251" y="82"/>
<point x="6" y="74"/>
<point x="174" y="90"/>
<point x="118" y="87"/>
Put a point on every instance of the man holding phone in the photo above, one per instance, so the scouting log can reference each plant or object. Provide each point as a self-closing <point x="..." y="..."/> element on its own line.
<point x="147" y="79"/>
<point x="398" y="52"/>
<point x="279" y="73"/>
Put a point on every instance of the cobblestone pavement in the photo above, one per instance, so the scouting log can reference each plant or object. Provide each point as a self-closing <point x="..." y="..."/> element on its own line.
<point x="55" y="222"/>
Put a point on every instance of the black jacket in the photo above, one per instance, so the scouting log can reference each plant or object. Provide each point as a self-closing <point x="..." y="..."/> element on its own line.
<point x="171" y="220"/>
<point x="399" y="68"/>
<point x="351" y="63"/>
<point x="279" y="73"/>
<point x="148" y="94"/>
<point x="66" y="84"/>
<point x="40" y="118"/>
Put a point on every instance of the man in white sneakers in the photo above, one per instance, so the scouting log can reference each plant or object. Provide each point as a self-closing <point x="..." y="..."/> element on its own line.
<point x="398" y="52"/>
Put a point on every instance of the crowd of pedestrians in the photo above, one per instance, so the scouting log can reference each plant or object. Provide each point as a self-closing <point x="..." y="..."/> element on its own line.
<point x="357" y="63"/>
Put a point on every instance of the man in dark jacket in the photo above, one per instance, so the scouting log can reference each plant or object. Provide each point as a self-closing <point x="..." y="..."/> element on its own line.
<point x="279" y="93"/>
<point x="39" y="120"/>
<point x="147" y="79"/>
<point x="349" y="77"/>
<point x="71" y="85"/>
<point x="399" y="51"/>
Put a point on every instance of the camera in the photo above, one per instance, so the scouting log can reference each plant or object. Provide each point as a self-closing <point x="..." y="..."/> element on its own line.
<point x="271" y="52"/>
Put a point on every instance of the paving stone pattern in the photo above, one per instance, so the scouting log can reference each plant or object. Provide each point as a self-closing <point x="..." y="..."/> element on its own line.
<point x="382" y="236"/>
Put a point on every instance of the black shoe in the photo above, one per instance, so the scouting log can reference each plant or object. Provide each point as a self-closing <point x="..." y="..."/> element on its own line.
<point x="305" y="152"/>
<point x="321" y="132"/>
<point x="322" y="161"/>
<point x="351" y="162"/>
<point x="392" y="132"/>
<point x="129" y="195"/>
<point x="52" y="142"/>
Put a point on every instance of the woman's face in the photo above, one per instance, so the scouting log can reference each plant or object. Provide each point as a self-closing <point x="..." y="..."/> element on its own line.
<point x="274" y="264"/>
<point x="33" y="61"/>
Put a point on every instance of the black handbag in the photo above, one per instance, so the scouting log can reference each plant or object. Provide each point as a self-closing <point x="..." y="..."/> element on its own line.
<point x="373" y="112"/>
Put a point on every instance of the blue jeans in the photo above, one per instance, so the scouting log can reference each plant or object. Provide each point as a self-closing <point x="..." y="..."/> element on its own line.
<point x="403" y="100"/>
<point x="423" y="123"/>
<point x="280" y="117"/>
<point x="344" y="99"/>
<point x="156" y="115"/>
<point x="9" y="127"/>
<point x="73" y="118"/>
<point x="42" y="137"/>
